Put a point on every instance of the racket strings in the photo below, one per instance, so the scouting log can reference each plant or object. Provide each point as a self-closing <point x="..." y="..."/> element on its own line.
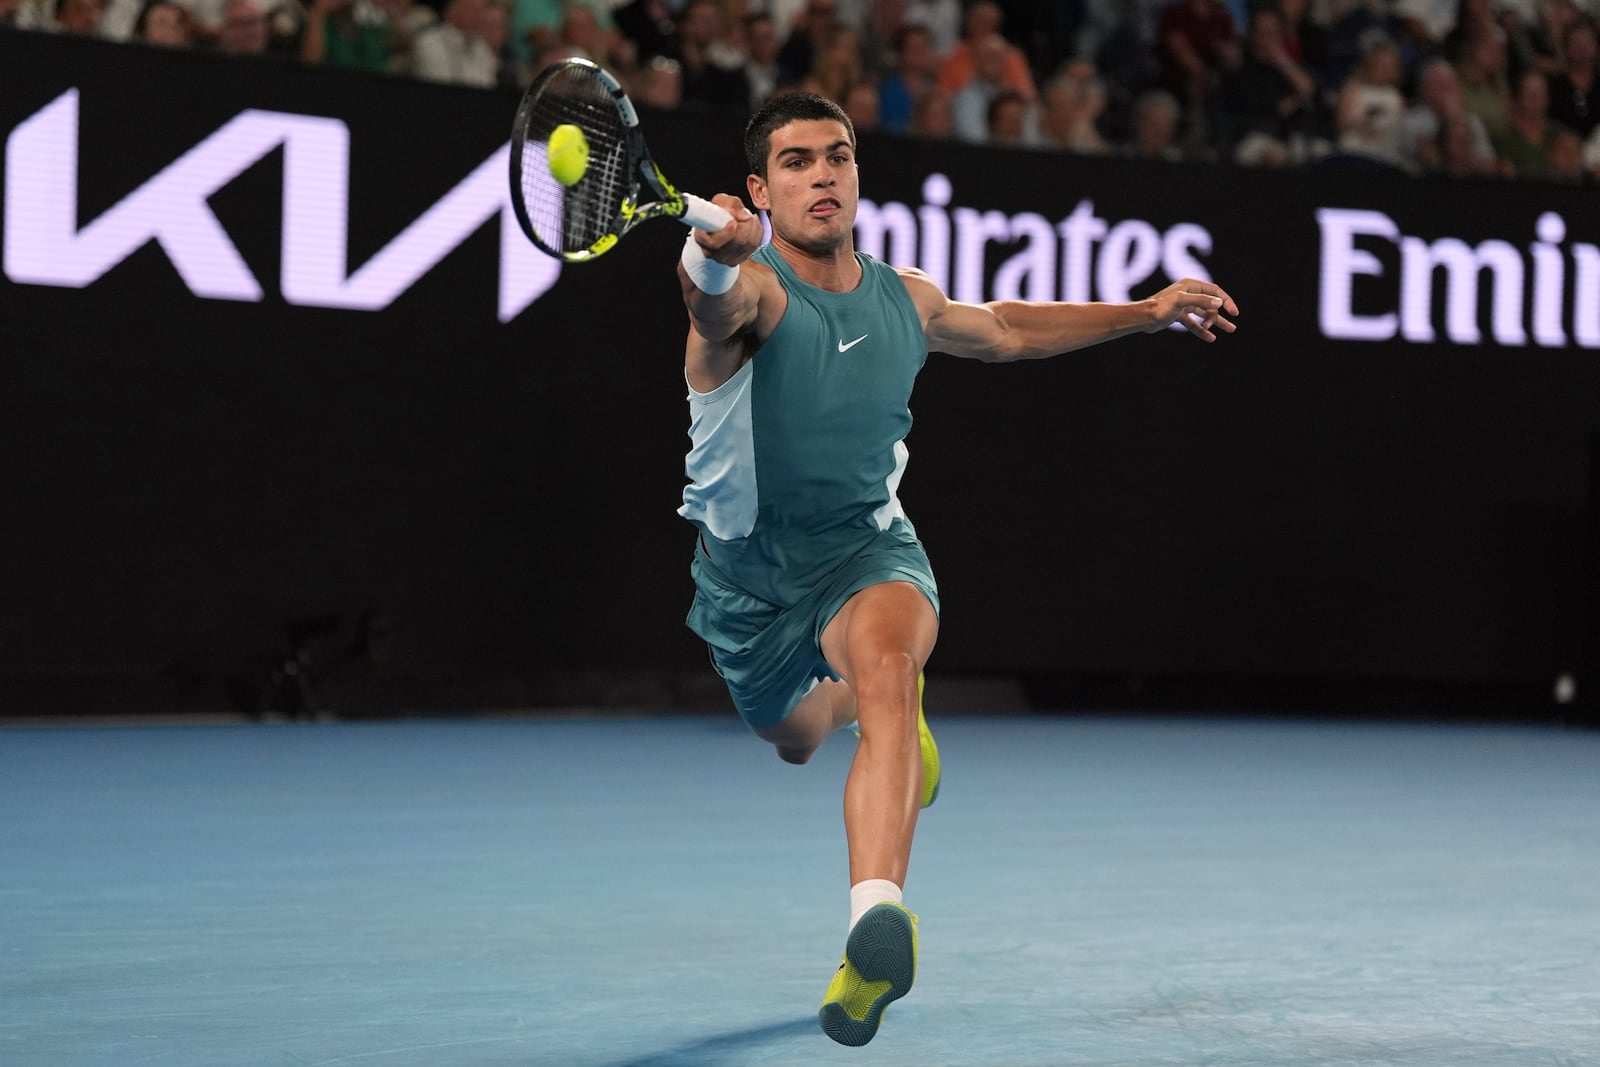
<point x="573" y="218"/>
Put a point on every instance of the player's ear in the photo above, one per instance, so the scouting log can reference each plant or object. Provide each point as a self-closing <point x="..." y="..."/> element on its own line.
<point x="758" y="191"/>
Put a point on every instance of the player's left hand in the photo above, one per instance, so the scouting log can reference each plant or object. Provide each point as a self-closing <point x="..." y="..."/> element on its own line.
<point x="1197" y="306"/>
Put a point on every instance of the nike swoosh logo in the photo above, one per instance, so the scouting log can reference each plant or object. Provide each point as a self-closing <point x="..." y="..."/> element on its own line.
<point x="847" y="347"/>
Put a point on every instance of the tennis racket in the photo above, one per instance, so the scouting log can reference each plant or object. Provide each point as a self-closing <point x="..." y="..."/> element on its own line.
<point x="585" y="219"/>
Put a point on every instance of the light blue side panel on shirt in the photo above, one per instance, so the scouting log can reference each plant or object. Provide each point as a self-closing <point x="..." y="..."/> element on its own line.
<point x="892" y="510"/>
<point x="721" y="465"/>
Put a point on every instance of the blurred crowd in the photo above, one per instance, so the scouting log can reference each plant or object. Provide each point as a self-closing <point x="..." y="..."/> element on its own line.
<point x="1496" y="88"/>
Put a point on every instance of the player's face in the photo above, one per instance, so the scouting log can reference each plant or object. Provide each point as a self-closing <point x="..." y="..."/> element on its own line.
<point x="811" y="187"/>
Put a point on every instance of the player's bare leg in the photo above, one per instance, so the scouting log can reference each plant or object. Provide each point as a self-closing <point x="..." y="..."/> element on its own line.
<point x="878" y="643"/>
<point x="819" y="713"/>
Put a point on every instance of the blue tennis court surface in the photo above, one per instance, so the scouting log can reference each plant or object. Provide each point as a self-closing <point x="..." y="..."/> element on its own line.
<point x="667" y="893"/>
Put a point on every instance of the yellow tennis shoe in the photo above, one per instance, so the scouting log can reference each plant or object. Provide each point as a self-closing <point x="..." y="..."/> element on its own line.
<point x="880" y="963"/>
<point x="930" y="751"/>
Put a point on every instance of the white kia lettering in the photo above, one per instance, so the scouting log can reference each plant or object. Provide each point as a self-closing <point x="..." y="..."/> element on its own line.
<point x="45" y="246"/>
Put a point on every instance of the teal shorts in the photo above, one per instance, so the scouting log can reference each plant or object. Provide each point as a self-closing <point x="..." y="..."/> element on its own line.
<point x="771" y="656"/>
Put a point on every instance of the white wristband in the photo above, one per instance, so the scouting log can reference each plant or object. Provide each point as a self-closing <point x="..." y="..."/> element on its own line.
<point x="711" y="277"/>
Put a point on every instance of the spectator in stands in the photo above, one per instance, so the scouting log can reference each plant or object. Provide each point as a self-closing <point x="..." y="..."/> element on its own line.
<point x="8" y="13"/>
<point x="1525" y="139"/>
<point x="1011" y="121"/>
<point x="119" y="19"/>
<point x="713" y="69"/>
<point x="761" y="46"/>
<point x="1473" y="19"/>
<point x="577" y="31"/>
<point x="1591" y="155"/>
<point x="244" y="29"/>
<point x="407" y="18"/>
<point x="1573" y="92"/>
<point x="861" y="104"/>
<point x="650" y="25"/>
<point x="808" y="37"/>
<point x="1453" y="154"/>
<point x="1095" y="22"/>
<point x="838" y="65"/>
<point x="205" y="18"/>
<point x="1154" y="122"/>
<point x="1438" y="101"/>
<point x="1268" y="98"/>
<point x="80" y="17"/>
<point x="941" y="18"/>
<point x="1371" y="104"/>
<point x="1539" y="39"/>
<point x="535" y="28"/>
<point x="454" y="51"/>
<point x="1120" y="39"/>
<point x="1199" y="44"/>
<point x="1350" y="33"/>
<point x="1565" y="160"/>
<point x="933" y="118"/>
<point x="336" y="36"/>
<point x="737" y="15"/>
<point x="1304" y="40"/>
<point x="586" y="26"/>
<point x="961" y="65"/>
<point x="658" y="84"/>
<point x="970" y="104"/>
<point x="915" y="72"/>
<point x="32" y="15"/>
<point x="1073" y="102"/>
<point x="164" y="23"/>
<point x="880" y="33"/>
<point x="1409" y="24"/>
<point x="1481" y="70"/>
<point x="495" y="28"/>
<point x="782" y="12"/>
<point x="1426" y="23"/>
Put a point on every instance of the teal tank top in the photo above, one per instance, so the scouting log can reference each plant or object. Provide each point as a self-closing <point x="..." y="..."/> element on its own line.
<point x="795" y="461"/>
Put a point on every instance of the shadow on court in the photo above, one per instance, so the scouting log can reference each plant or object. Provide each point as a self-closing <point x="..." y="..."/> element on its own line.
<point x="721" y="1048"/>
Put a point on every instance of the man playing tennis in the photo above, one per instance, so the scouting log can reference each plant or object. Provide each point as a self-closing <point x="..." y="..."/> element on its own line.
<point x="811" y="588"/>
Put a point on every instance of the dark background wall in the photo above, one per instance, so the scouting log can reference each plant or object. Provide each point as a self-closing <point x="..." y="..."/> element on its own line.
<point x="194" y="484"/>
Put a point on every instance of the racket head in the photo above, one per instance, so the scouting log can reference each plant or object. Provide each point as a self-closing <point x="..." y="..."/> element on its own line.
<point x="584" y="220"/>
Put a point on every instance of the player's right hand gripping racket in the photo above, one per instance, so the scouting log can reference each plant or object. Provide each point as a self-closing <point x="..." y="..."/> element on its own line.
<point x="585" y="212"/>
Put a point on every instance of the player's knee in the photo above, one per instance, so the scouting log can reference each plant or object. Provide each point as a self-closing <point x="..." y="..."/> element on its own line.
<point x="895" y="670"/>
<point x="794" y="755"/>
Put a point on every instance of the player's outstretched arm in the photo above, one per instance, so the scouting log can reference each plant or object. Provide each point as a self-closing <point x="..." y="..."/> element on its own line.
<point x="722" y="297"/>
<point x="1004" y="330"/>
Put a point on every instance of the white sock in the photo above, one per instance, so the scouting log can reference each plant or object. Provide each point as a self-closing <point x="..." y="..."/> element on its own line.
<point x="865" y="895"/>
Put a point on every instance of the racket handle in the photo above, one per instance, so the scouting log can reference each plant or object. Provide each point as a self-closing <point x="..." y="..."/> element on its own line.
<point x="703" y="214"/>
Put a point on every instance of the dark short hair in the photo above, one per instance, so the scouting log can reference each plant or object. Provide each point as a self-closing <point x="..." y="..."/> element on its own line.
<point x="907" y="31"/>
<point x="778" y="113"/>
<point x="1001" y="99"/>
<point x="143" y="21"/>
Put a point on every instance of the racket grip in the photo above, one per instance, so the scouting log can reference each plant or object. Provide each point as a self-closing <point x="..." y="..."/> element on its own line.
<point x="703" y="214"/>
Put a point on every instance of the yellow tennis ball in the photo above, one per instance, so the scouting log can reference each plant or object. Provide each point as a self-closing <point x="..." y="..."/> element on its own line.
<point x="568" y="152"/>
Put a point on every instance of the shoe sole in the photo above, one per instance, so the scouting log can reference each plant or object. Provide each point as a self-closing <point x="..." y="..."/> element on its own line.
<point x="881" y="949"/>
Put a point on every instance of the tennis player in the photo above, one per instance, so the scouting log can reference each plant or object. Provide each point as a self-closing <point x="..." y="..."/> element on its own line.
<point x="811" y="587"/>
